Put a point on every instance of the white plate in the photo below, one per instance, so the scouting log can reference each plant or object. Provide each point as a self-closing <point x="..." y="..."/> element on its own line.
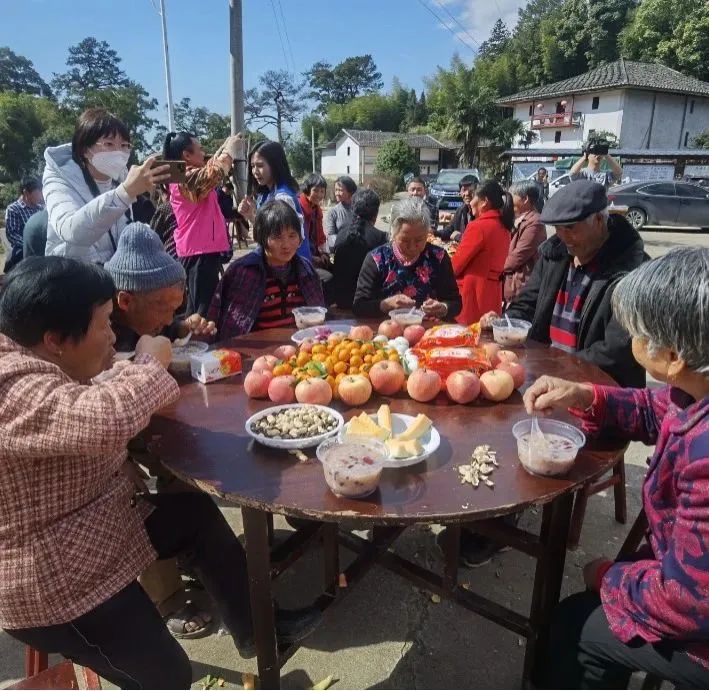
<point x="399" y="423"/>
<point x="312" y="331"/>
<point x="303" y="443"/>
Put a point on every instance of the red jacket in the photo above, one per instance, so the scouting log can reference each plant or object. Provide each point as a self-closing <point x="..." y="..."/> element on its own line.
<point x="529" y="232"/>
<point x="312" y="222"/>
<point x="478" y="265"/>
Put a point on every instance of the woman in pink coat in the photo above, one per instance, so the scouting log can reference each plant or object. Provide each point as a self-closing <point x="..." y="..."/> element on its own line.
<point x="480" y="258"/>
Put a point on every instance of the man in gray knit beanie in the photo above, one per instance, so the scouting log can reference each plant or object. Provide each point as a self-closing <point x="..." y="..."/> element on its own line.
<point x="150" y="287"/>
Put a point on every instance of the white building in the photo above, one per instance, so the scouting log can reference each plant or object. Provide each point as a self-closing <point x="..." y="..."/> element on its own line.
<point x="354" y="152"/>
<point x="653" y="110"/>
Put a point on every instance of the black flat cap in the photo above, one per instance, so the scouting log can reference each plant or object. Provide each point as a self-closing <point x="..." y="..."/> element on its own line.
<point x="574" y="202"/>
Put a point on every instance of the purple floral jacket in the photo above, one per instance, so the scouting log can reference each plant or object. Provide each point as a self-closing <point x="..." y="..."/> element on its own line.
<point x="664" y="595"/>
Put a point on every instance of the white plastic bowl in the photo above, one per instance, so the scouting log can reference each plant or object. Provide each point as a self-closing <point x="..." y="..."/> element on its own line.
<point x="407" y="317"/>
<point x="309" y="316"/>
<point x="181" y="355"/>
<point x="512" y="334"/>
<point x="352" y="469"/>
<point x="563" y="442"/>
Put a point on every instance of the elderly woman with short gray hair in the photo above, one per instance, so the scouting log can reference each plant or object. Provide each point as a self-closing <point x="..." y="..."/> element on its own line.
<point x="408" y="271"/>
<point x="650" y="612"/>
<point x="526" y="237"/>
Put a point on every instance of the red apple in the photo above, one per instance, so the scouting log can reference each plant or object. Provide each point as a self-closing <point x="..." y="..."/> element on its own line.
<point x="256" y="383"/>
<point x="414" y="333"/>
<point x="496" y="385"/>
<point x="282" y="389"/>
<point x="390" y="329"/>
<point x="463" y="386"/>
<point x="387" y="377"/>
<point x="507" y="356"/>
<point x="516" y="370"/>
<point x="315" y="391"/>
<point x="354" y="389"/>
<point x="423" y="385"/>
<point x="285" y="352"/>
<point x="492" y="350"/>
<point x="361" y="333"/>
<point x="265" y="362"/>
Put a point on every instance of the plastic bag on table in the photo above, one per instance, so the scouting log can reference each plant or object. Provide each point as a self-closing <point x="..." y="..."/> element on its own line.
<point x="450" y="336"/>
<point x="445" y="361"/>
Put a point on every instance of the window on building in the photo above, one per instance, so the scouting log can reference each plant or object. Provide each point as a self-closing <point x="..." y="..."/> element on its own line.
<point x="348" y="150"/>
<point x="531" y="110"/>
<point x="348" y="170"/>
<point x="691" y="106"/>
<point x="557" y="136"/>
<point x="686" y="138"/>
<point x="594" y="103"/>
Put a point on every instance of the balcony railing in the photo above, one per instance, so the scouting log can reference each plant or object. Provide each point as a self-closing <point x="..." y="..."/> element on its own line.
<point x="557" y="120"/>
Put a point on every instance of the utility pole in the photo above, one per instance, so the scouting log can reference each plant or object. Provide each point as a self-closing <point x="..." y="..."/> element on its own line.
<point x="236" y="49"/>
<point x="312" y="143"/>
<point x="168" y="80"/>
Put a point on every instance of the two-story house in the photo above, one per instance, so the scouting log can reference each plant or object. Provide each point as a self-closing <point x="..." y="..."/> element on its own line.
<point x="654" y="112"/>
<point x="354" y="152"/>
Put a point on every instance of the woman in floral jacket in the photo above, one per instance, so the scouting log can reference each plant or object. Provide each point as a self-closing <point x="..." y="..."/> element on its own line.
<point x="650" y="613"/>
<point x="407" y="271"/>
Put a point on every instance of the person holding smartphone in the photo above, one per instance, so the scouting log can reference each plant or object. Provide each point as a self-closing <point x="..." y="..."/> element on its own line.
<point x="89" y="190"/>
<point x="200" y="235"/>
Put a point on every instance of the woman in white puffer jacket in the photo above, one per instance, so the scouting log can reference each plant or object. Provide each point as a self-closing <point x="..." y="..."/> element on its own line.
<point x="88" y="189"/>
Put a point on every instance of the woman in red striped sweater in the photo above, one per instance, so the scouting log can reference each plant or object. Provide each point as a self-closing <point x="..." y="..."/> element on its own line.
<point x="260" y="290"/>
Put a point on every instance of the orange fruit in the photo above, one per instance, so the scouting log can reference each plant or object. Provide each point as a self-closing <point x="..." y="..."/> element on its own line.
<point x="377" y="357"/>
<point x="353" y="370"/>
<point x="364" y="369"/>
<point x="302" y="359"/>
<point x="355" y="361"/>
<point x="340" y="377"/>
<point x="367" y="348"/>
<point x="368" y="358"/>
<point x="394" y="357"/>
<point x="344" y="356"/>
<point x="319" y="357"/>
<point x="340" y="367"/>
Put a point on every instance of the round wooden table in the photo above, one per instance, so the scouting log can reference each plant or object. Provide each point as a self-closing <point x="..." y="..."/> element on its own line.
<point x="201" y="439"/>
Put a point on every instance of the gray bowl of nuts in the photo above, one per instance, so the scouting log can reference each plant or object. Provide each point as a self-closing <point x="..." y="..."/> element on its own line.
<point x="294" y="426"/>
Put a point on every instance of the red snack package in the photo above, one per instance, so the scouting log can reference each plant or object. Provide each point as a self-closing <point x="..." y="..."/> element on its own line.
<point x="450" y="336"/>
<point x="445" y="361"/>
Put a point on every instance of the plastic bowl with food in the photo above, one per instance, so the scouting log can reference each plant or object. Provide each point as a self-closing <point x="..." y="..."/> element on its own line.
<point x="352" y="468"/>
<point x="512" y="333"/>
<point x="407" y="317"/>
<point x="181" y="355"/>
<point x="309" y="316"/>
<point x="555" y="453"/>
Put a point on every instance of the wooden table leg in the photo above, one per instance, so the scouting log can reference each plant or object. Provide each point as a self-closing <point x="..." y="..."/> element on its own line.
<point x="259" y="567"/>
<point x="451" y="555"/>
<point x="331" y="557"/>
<point x="547" y="582"/>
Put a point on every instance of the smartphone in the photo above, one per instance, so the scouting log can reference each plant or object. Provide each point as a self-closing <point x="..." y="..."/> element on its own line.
<point x="177" y="169"/>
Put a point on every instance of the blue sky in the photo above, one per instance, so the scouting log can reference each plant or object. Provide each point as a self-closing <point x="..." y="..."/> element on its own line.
<point x="403" y="36"/>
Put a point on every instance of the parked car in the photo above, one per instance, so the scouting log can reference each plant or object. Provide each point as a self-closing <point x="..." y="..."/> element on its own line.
<point x="677" y="204"/>
<point x="443" y="191"/>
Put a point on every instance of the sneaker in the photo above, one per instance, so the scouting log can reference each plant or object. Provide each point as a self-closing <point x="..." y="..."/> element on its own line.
<point x="475" y="550"/>
<point x="292" y="625"/>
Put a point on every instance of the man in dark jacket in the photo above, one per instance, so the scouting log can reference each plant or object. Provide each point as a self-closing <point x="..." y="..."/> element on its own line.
<point x="568" y="295"/>
<point x="463" y="215"/>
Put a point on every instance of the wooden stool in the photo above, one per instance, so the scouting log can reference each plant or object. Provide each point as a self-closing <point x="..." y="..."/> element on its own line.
<point x="39" y="675"/>
<point x="617" y="481"/>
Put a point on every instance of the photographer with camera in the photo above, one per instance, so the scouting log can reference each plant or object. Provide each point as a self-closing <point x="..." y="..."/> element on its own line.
<point x="594" y="151"/>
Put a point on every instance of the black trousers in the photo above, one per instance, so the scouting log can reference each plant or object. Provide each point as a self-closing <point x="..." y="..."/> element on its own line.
<point x="202" y="278"/>
<point x="124" y="639"/>
<point x="584" y="654"/>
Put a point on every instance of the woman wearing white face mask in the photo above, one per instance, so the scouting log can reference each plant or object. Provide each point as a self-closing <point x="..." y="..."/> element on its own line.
<point x="88" y="189"/>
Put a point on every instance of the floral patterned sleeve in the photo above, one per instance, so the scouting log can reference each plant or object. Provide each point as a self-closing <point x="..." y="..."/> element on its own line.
<point x="199" y="182"/>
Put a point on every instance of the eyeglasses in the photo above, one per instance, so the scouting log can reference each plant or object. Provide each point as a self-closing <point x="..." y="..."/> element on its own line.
<point x="113" y="145"/>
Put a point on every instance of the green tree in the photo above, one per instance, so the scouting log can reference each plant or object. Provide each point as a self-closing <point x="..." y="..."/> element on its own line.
<point x="368" y="112"/>
<point x="19" y="126"/>
<point x="96" y="79"/>
<point x="209" y="127"/>
<point x="701" y="141"/>
<point x="350" y="78"/>
<point x="300" y="157"/>
<point x="396" y="158"/>
<point x="279" y="101"/>
<point x="497" y="43"/>
<point x="18" y="74"/>
<point x="673" y="32"/>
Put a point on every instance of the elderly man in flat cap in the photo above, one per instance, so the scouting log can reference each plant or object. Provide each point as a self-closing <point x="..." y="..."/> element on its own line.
<point x="568" y="295"/>
<point x="568" y="299"/>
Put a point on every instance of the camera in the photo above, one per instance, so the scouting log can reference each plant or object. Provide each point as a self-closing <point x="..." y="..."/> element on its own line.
<point x="596" y="146"/>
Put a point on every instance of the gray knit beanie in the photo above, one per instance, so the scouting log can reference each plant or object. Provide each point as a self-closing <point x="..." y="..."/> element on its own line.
<point x="141" y="263"/>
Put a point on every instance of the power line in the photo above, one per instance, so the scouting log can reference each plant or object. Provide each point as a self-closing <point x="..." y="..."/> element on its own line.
<point x="285" y="30"/>
<point x="444" y="24"/>
<point x="280" y="36"/>
<point x="455" y="19"/>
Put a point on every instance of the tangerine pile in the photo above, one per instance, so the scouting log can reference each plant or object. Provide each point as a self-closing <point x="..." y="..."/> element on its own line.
<point x="334" y="359"/>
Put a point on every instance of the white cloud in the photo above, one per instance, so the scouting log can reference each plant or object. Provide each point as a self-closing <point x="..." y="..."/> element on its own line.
<point x="477" y="16"/>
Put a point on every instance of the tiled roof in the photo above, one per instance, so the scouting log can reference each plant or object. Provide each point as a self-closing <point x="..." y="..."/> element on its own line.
<point x="619" y="74"/>
<point x="644" y="153"/>
<point x="376" y="138"/>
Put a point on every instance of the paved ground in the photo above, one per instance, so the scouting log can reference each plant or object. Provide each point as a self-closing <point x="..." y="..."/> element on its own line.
<point x="387" y="634"/>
